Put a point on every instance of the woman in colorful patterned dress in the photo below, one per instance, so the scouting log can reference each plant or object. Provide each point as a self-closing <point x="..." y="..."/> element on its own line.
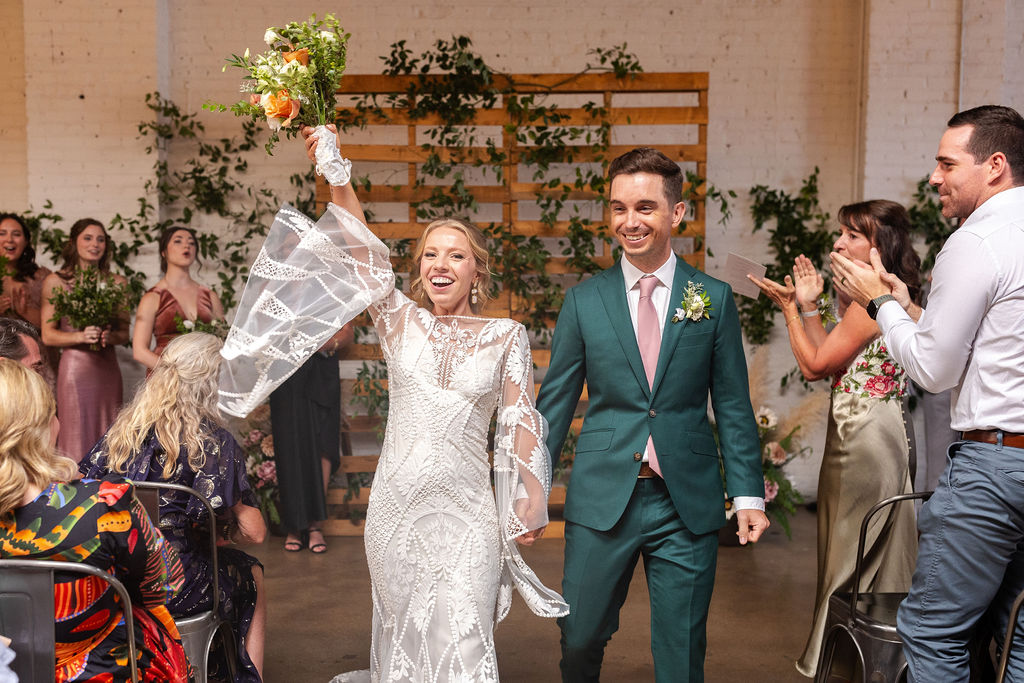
<point x="89" y="391"/>
<point x="867" y="447"/>
<point x="45" y="515"/>
<point x="175" y="414"/>
<point x="176" y="296"/>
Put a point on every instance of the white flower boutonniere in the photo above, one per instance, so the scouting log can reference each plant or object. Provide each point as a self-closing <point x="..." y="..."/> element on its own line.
<point x="696" y="304"/>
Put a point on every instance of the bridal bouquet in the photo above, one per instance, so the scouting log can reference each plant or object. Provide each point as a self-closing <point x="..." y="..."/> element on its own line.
<point x="293" y="83"/>
<point x="94" y="299"/>
<point x="215" y="327"/>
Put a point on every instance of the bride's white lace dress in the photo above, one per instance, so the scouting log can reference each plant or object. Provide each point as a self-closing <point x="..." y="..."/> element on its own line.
<point x="441" y="521"/>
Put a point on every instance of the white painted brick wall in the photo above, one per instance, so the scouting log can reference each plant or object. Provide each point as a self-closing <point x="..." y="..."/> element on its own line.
<point x="785" y="86"/>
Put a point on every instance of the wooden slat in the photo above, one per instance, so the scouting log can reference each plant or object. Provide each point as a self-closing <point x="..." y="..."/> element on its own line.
<point x="410" y="230"/>
<point x="358" y="84"/>
<point x="568" y="116"/>
<point x="469" y="155"/>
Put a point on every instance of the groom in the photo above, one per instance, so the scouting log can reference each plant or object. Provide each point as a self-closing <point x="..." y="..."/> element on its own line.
<point x="646" y="478"/>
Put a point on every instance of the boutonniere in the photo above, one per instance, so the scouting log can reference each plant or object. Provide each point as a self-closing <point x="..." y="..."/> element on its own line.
<point x="696" y="304"/>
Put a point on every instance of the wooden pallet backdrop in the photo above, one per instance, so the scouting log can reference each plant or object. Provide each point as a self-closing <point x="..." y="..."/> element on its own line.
<point x="652" y="109"/>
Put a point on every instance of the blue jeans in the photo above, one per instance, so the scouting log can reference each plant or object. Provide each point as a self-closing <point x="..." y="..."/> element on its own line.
<point x="970" y="563"/>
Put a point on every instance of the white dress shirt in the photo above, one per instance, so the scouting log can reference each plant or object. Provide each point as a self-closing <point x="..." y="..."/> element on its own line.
<point x="665" y="274"/>
<point x="971" y="337"/>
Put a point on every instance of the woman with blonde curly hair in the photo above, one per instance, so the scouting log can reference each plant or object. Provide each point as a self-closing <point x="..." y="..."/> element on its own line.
<point x="46" y="515"/>
<point x="171" y="432"/>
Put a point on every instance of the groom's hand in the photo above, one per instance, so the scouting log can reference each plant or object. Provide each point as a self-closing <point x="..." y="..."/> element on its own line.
<point x="752" y="524"/>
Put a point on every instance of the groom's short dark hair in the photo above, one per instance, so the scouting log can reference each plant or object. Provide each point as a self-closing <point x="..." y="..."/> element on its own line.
<point x="650" y="160"/>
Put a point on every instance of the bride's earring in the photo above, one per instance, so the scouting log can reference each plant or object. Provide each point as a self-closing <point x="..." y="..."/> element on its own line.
<point x="472" y="295"/>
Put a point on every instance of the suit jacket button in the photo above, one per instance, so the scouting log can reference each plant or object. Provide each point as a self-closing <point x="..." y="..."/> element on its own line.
<point x="653" y="412"/>
<point x="638" y="456"/>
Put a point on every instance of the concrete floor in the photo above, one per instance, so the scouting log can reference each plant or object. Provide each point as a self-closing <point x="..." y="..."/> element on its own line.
<point x="319" y="614"/>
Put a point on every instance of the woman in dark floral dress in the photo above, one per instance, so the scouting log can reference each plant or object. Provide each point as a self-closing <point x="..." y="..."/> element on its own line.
<point x="867" y="447"/>
<point x="45" y="516"/>
<point x="175" y="413"/>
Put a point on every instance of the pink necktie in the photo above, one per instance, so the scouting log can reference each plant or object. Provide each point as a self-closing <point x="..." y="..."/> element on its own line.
<point x="648" y="336"/>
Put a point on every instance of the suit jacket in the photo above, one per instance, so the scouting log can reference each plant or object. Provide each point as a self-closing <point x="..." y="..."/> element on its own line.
<point x="594" y="342"/>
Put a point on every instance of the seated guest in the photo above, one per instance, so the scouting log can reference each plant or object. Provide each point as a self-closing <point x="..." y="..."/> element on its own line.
<point x="19" y="341"/>
<point x="46" y="515"/>
<point x="170" y="432"/>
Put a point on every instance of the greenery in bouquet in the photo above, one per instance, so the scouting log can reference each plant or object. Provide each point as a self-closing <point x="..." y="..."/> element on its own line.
<point x="258" y="445"/>
<point x="94" y="299"/>
<point x="218" y="328"/>
<point x="293" y="84"/>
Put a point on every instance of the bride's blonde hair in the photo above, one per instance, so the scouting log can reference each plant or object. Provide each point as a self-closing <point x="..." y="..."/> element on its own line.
<point x="178" y="402"/>
<point x="26" y="457"/>
<point x="477" y="244"/>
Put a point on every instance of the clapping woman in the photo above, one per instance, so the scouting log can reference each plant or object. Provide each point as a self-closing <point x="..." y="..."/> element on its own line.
<point x="176" y="297"/>
<point x="46" y="515"/>
<point x="21" y="293"/>
<point x="867" y="447"/>
<point x="89" y="389"/>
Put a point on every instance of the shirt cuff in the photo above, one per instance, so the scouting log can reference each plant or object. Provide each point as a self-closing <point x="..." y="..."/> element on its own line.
<point x="889" y="314"/>
<point x="748" y="503"/>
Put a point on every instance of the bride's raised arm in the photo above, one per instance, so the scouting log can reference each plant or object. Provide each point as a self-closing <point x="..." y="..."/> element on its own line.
<point x="343" y="195"/>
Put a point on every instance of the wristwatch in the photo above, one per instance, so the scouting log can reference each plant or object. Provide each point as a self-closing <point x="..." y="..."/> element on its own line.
<point x="877" y="302"/>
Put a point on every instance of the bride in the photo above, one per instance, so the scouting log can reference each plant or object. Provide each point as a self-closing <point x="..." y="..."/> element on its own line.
<point x="441" y="545"/>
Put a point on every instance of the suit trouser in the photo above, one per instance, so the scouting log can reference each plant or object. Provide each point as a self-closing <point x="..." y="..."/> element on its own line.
<point x="680" y="569"/>
<point x="970" y="563"/>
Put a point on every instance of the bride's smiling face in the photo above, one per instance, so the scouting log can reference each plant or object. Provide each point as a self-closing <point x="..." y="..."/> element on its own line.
<point x="448" y="270"/>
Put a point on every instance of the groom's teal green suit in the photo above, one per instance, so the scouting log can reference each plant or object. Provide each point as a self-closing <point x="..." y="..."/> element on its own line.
<point x="612" y="518"/>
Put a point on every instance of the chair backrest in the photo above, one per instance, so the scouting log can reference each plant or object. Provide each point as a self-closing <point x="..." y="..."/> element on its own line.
<point x="862" y="540"/>
<point x="27" y="614"/>
<point x="148" y="493"/>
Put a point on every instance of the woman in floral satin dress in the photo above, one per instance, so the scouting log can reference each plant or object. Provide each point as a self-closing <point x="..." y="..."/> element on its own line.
<point x="867" y="446"/>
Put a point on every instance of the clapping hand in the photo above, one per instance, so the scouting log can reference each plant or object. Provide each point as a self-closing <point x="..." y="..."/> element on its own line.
<point x="808" y="283"/>
<point x="783" y="295"/>
<point x="6" y="303"/>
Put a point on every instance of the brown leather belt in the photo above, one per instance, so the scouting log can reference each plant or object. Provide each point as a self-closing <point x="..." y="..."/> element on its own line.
<point x="992" y="436"/>
<point x="646" y="472"/>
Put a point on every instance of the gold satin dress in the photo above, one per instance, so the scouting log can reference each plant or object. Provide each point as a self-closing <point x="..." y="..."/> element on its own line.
<point x="866" y="459"/>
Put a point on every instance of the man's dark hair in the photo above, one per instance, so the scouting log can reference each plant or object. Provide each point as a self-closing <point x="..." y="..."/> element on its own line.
<point x="648" y="160"/>
<point x="996" y="129"/>
<point x="11" y="344"/>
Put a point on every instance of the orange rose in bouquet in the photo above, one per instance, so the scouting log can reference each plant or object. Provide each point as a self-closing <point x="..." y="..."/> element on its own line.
<point x="294" y="83"/>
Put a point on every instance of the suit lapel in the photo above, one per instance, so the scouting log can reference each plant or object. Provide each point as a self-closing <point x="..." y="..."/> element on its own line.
<point x="613" y="295"/>
<point x="672" y="331"/>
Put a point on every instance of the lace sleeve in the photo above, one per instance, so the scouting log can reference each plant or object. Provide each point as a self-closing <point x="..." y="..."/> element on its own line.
<point x="522" y="474"/>
<point x="308" y="280"/>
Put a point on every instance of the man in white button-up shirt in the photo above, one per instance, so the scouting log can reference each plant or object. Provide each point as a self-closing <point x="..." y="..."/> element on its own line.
<point x="970" y="564"/>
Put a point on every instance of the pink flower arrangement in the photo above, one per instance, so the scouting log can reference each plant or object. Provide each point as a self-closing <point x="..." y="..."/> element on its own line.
<point x="879" y="386"/>
<point x="266" y="473"/>
<point x="771" y="489"/>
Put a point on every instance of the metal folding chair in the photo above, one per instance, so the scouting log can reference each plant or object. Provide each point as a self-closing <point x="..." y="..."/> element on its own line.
<point x="27" y="614"/>
<point x="867" y="620"/>
<point x="197" y="631"/>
